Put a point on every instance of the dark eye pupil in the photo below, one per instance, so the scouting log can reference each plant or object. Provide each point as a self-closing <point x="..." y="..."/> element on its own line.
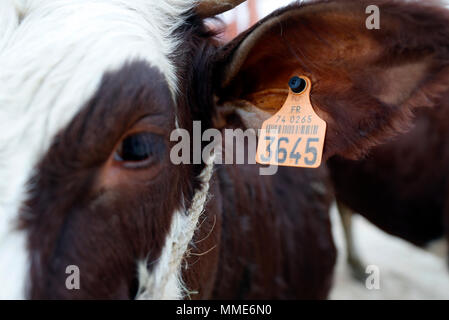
<point x="139" y="147"/>
<point x="136" y="148"/>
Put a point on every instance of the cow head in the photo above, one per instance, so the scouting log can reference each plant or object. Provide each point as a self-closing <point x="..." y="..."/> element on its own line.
<point x="91" y="90"/>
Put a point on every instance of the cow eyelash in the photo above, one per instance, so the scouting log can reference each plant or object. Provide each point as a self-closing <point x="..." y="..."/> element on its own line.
<point x="140" y="150"/>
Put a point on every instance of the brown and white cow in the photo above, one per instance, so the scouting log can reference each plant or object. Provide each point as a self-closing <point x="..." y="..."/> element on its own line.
<point x="90" y="92"/>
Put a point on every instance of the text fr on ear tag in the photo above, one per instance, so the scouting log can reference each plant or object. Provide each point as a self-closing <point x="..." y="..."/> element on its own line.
<point x="295" y="135"/>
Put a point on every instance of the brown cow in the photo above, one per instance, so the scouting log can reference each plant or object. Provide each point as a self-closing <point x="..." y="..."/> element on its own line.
<point x="90" y="93"/>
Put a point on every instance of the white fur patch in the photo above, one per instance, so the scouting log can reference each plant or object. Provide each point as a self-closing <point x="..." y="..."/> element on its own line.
<point x="53" y="54"/>
<point x="165" y="280"/>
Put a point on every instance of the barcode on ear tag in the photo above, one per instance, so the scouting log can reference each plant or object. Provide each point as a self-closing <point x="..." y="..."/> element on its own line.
<point x="295" y="135"/>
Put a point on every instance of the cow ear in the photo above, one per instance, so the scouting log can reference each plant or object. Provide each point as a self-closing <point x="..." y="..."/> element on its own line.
<point x="365" y="82"/>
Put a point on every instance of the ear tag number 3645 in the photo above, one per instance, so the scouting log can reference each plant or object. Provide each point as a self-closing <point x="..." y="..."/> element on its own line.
<point x="295" y="135"/>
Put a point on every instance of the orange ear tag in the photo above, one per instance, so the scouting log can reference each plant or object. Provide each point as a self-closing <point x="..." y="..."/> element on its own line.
<point x="295" y="135"/>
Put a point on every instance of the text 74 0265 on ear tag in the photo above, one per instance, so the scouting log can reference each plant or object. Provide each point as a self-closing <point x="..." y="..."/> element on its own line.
<point x="295" y="135"/>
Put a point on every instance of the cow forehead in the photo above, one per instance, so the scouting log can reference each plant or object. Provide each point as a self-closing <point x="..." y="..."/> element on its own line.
<point x="54" y="59"/>
<point x="53" y="55"/>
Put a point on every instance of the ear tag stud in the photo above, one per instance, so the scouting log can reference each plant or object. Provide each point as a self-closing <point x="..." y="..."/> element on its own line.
<point x="295" y="135"/>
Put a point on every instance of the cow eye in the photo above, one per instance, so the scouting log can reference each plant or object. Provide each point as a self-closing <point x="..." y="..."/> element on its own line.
<point x="140" y="150"/>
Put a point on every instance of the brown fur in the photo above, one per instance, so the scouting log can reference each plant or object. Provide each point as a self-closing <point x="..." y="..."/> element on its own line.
<point x="402" y="187"/>
<point x="260" y="237"/>
<point x="351" y="67"/>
